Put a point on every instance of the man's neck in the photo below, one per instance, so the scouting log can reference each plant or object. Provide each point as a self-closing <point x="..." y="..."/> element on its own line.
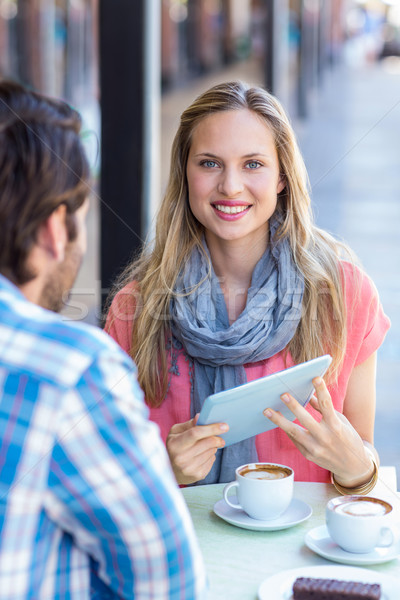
<point x="31" y="290"/>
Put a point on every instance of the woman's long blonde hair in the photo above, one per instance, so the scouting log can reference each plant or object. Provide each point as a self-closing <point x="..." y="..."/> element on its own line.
<point x="322" y="328"/>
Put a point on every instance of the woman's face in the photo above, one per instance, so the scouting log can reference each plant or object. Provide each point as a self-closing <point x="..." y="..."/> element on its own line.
<point x="233" y="176"/>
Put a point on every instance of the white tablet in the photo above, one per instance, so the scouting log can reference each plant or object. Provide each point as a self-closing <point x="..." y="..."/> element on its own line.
<point x="242" y="407"/>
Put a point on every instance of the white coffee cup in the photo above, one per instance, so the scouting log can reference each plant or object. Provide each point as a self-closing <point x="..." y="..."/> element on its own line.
<point x="360" y="524"/>
<point x="264" y="490"/>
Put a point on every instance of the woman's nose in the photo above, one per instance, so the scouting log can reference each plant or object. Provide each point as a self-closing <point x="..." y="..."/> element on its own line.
<point x="230" y="183"/>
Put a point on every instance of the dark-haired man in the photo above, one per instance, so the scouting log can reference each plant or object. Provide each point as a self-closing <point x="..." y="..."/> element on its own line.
<point x="88" y="504"/>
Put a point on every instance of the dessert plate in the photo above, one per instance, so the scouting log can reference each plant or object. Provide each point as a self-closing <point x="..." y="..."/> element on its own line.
<point x="320" y="542"/>
<point x="279" y="586"/>
<point x="297" y="512"/>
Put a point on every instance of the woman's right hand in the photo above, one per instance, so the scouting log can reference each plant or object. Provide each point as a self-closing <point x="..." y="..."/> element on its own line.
<point x="192" y="448"/>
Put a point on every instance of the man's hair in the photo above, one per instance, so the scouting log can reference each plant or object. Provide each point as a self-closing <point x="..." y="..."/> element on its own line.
<point x="42" y="165"/>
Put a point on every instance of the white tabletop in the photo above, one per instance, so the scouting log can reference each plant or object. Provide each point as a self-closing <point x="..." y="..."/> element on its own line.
<point x="238" y="560"/>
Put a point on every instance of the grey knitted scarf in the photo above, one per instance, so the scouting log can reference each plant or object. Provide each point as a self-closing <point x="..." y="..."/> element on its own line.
<point x="219" y="350"/>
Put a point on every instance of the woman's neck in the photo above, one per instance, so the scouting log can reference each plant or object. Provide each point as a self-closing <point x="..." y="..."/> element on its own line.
<point x="234" y="262"/>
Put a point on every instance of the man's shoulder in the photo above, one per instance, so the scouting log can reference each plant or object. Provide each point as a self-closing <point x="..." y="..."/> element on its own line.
<point x="89" y="339"/>
<point x="45" y="343"/>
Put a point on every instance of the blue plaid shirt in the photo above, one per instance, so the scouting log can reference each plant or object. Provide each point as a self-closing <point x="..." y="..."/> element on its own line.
<point x="89" y="507"/>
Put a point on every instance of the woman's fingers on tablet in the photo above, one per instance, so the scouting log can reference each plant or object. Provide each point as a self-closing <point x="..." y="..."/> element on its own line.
<point x="278" y="419"/>
<point x="301" y="414"/>
<point x="325" y="405"/>
<point x="191" y="449"/>
<point x="182" y="427"/>
<point x="294" y="431"/>
<point x="310" y="432"/>
<point x="199" y="431"/>
<point x="320" y="401"/>
<point x="186" y="436"/>
<point x="275" y="416"/>
<point x="314" y="403"/>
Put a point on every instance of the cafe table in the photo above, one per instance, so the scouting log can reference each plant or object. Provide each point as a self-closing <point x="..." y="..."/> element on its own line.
<point x="238" y="560"/>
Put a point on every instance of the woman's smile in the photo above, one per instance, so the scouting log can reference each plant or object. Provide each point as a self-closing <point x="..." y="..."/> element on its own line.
<point x="230" y="210"/>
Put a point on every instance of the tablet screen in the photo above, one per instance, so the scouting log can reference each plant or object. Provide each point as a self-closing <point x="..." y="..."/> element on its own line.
<point x="242" y="407"/>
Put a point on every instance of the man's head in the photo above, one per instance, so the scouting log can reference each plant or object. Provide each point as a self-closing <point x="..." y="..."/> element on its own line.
<point x="44" y="176"/>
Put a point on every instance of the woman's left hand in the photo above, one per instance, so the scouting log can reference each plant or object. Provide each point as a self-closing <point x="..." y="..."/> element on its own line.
<point x="332" y="443"/>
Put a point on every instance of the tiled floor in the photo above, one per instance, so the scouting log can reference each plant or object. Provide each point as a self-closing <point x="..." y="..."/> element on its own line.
<point x="351" y="145"/>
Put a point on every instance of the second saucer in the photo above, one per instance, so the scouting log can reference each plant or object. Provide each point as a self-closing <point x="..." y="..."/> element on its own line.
<point x="320" y="542"/>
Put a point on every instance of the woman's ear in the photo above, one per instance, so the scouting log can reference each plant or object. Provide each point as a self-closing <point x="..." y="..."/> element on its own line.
<point x="281" y="183"/>
<point x="53" y="235"/>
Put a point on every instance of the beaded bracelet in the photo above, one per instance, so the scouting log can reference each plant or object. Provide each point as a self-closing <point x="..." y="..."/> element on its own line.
<point x="363" y="489"/>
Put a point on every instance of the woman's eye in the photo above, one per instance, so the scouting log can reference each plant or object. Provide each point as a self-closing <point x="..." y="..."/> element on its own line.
<point x="253" y="164"/>
<point x="209" y="164"/>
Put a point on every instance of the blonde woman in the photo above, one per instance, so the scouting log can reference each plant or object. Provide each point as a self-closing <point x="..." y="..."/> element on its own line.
<point x="240" y="283"/>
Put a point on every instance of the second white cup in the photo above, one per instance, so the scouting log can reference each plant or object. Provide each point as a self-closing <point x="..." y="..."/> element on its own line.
<point x="360" y="524"/>
<point x="264" y="490"/>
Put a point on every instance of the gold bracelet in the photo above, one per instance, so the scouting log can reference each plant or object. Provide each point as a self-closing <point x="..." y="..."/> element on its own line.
<point x="360" y="490"/>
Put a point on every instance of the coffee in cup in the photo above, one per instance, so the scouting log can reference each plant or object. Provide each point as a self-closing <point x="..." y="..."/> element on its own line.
<point x="264" y="490"/>
<point x="265" y="471"/>
<point x="359" y="524"/>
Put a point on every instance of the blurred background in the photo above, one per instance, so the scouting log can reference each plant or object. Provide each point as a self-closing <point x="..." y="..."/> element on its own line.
<point x="132" y="66"/>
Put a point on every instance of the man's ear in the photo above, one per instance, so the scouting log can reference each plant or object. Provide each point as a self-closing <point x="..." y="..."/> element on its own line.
<point x="53" y="235"/>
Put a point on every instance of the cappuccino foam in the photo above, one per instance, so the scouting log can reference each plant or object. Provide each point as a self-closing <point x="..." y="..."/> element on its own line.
<point x="362" y="509"/>
<point x="266" y="472"/>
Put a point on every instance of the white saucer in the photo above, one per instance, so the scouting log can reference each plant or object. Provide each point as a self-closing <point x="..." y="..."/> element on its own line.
<point x="319" y="541"/>
<point x="297" y="512"/>
<point x="279" y="586"/>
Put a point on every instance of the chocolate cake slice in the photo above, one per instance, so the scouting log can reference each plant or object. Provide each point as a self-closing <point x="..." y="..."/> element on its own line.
<point x="309" y="588"/>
